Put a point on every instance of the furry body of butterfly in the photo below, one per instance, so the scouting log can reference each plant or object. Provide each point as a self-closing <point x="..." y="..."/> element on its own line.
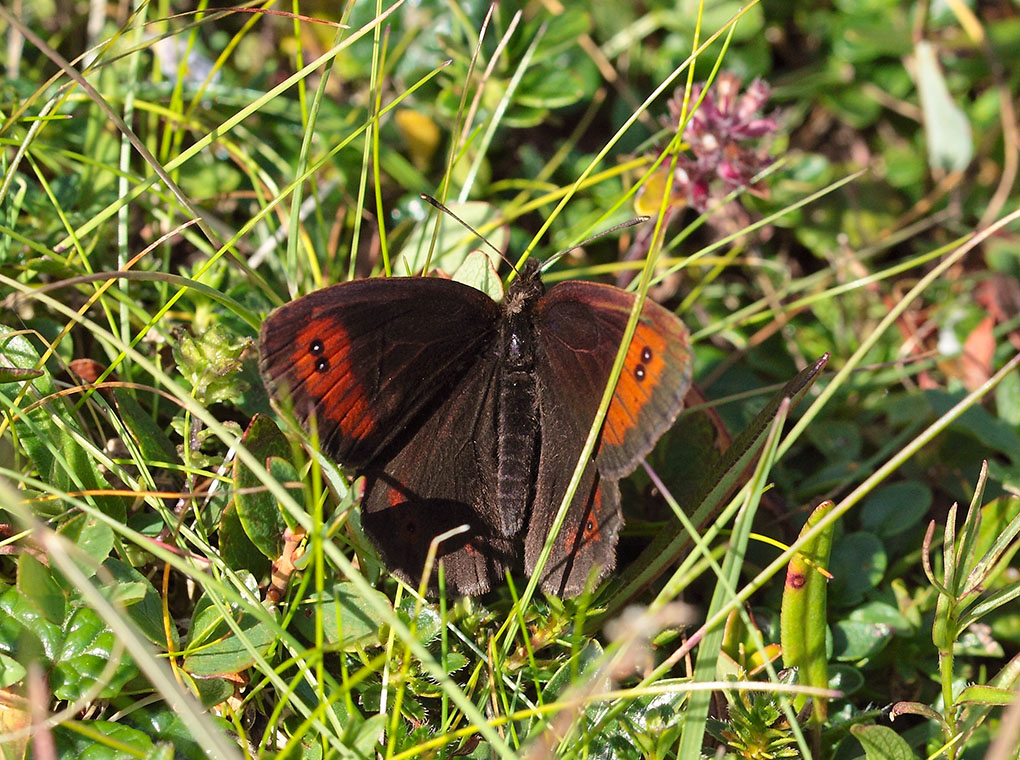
<point x="459" y="410"/>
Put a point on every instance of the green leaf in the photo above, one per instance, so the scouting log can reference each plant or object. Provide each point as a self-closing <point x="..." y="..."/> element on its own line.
<point x="11" y="671"/>
<point x="550" y="89"/>
<point x="211" y="363"/>
<point x="454" y="661"/>
<point x="853" y="640"/>
<point x="348" y="621"/>
<point x="257" y="508"/>
<point x="839" y="440"/>
<point x="562" y="32"/>
<point x="283" y="471"/>
<point x="365" y="737"/>
<point x="1007" y="399"/>
<point x="236" y="549"/>
<point x="36" y="430"/>
<point x="88" y="647"/>
<point x="152" y="440"/>
<point x="101" y="740"/>
<point x="161" y="724"/>
<point x="845" y="678"/>
<point x="77" y="470"/>
<point x="880" y="612"/>
<point x="983" y="695"/>
<point x="893" y="509"/>
<point x="213" y="648"/>
<point x="146" y="610"/>
<point x="92" y="536"/>
<point x="858" y="564"/>
<point x="24" y="633"/>
<point x="213" y="691"/>
<point x="950" y="141"/>
<point x="37" y="584"/>
<point x="425" y="621"/>
<point x="477" y="271"/>
<point x="882" y="743"/>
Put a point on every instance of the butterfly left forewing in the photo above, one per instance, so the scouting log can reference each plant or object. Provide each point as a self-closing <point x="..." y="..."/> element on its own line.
<point x="360" y="360"/>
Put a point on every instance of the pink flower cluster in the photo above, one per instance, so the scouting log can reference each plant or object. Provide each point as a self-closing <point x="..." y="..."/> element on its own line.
<point x="715" y="133"/>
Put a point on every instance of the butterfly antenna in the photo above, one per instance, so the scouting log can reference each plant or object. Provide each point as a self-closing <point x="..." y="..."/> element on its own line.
<point x="439" y="206"/>
<point x="621" y="226"/>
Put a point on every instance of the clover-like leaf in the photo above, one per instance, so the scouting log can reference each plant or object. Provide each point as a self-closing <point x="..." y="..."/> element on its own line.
<point x="88" y="647"/>
<point x="214" y="649"/>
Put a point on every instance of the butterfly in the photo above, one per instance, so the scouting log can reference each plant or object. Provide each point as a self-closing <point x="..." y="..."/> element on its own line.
<point x="460" y="410"/>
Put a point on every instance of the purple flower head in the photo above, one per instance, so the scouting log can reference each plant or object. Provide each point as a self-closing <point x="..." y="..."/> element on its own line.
<point x="714" y="134"/>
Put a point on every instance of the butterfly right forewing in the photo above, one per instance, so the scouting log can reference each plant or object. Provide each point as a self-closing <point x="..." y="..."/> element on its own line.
<point x="580" y="326"/>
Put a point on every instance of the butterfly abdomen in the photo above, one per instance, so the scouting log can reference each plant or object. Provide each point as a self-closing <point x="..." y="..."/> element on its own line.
<point x="517" y="422"/>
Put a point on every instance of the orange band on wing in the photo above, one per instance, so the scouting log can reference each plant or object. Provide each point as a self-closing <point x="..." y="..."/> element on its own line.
<point x="642" y="369"/>
<point x="323" y="363"/>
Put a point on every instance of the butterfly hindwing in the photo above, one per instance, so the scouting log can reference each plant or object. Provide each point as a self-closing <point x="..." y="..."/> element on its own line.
<point x="592" y="524"/>
<point x="442" y="475"/>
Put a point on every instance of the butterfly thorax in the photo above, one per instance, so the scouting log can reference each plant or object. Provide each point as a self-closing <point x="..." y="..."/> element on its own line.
<point x="517" y="409"/>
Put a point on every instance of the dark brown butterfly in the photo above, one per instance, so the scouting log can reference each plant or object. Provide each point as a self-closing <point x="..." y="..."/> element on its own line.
<point x="460" y="410"/>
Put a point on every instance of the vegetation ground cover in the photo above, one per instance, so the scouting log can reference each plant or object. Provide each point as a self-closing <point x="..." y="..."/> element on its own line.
<point x="818" y="559"/>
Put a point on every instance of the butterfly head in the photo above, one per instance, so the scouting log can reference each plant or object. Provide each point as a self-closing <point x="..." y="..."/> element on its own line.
<point x="526" y="288"/>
